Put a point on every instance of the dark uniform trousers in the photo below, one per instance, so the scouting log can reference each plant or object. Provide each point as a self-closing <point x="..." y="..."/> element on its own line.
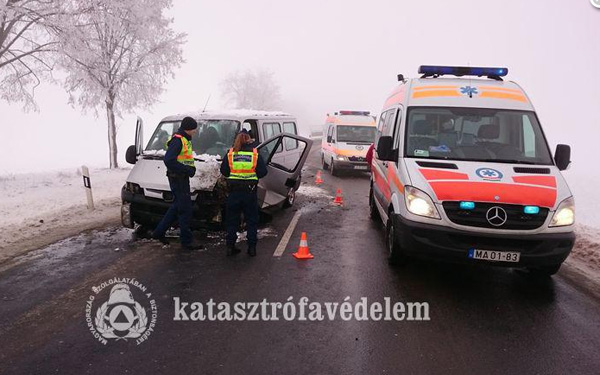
<point x="245" y="201"/>
<point x="180" y="209"/>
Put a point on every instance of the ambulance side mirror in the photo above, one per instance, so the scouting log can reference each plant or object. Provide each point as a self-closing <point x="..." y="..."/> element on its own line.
<point x="562" y="157"/>
<point x="385" y="150"/>
<point x="131" y="155"/>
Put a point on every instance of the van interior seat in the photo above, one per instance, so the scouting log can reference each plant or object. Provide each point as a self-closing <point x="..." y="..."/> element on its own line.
<point x="420" y="138"/>
<point x="488" y="135"/>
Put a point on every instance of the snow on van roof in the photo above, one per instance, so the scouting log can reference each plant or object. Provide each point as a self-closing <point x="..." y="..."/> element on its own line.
<point x="230" y="113"/>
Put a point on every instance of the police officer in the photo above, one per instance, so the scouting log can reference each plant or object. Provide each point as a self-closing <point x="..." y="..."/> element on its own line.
<point x="242" y="166"/>
<point x="180" y="167"/>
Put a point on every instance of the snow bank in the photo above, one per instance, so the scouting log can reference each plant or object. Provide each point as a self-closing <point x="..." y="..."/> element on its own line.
<point x="39" y="195"/>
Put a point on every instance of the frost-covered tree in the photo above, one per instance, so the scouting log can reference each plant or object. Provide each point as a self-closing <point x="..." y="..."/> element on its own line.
<point x="255" y="89"/>
<point x="27" y="43"/>
<point x="118" y="55"/>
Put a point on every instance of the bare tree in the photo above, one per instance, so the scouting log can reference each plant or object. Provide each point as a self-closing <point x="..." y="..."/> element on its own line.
<point x="118" y="56"/>
<point x="255" y="89"/>
<point x="27" y="41"/>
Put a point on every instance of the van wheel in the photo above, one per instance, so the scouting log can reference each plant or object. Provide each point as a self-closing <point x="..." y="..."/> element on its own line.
<point x="373" y="212"/>
<point x="290" y="198"/>
<point x="395" y="256"/>
<point x="325" y="166"/>
<point x="545" y="271"/>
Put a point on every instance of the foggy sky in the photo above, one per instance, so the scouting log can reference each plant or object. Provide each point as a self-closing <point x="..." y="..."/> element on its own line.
<point x="330" y="55"/>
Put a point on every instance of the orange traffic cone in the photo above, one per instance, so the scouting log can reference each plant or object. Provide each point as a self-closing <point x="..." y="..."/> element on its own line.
<point x="318" y="179"/>
<point x="303" y="252"/>
<point x="339" y="199"/>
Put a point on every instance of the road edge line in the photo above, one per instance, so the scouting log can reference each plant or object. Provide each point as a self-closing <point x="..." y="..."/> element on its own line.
<point x="287" y="235"/>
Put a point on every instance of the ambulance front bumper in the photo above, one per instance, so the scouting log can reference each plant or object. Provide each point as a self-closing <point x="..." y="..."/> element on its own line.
<point x="429" y="241"/>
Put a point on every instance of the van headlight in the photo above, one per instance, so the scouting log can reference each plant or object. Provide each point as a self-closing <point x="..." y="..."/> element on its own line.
<point x="343" y="158"/>
<point x="564" y="214"/>
<point x="419" y="203"/>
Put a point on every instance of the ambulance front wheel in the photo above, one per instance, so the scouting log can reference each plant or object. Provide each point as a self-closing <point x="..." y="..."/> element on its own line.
<point x="325" y="166"/>
<point x="395" y="253"/>
<point x="333" y="169"/>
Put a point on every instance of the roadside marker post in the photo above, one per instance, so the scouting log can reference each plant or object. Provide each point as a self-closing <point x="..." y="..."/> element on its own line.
<point x="87" y="184"/>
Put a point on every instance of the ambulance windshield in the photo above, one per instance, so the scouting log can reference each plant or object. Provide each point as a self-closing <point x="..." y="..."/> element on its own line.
<point x="356" y="134"/>
<point x="214" y="137"/>
<point x="476" y="134"/>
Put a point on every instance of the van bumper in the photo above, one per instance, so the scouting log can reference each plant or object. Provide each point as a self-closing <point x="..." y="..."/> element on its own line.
<point x="429" y="241"/>
<point x="351" y="165"/>
<point x="139" y="209"/>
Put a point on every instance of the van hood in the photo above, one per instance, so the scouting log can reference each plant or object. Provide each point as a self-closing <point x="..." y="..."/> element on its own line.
<point x="357" y="149"/>
<point x="452" y="180"/>
<point x="152" y="174"/>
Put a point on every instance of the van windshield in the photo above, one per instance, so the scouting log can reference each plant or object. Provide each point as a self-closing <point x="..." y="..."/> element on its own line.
<point x="476" y="134"/>
<point x="214" y="137"/>
<point x="357" y="134"/>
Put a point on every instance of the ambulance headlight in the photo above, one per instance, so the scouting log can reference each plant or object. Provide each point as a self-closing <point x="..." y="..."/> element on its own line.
<point x="419" y="203"/>
<point x="564" y="214"/>
<point x="343" y="158"/>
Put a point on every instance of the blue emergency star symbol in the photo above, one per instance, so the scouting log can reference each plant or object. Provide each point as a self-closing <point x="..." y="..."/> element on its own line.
<point x="489" y="173"/>
<point x="468" y="90"/>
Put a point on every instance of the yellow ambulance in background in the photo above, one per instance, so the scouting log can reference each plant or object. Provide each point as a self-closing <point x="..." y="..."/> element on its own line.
<point x="347" y="136"/>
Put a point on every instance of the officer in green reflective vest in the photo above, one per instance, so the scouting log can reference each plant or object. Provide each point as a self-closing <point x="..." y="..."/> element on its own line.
<point x="179" y="160"/>
<point x="242" y="166"/>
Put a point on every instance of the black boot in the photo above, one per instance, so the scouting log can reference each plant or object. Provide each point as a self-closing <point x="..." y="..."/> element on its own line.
<point x="232" y="250"/>
<point x="191" y="247"/>
<point x="162" y="239"/>
<point x="252" y="250"/>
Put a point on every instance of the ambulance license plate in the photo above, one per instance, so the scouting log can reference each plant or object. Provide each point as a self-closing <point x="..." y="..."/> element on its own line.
<point x="361" y="167"/>
<point x="495" y="256"/>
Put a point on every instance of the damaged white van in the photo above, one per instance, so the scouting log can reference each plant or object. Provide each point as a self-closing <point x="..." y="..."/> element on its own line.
<point x="146" y="195"/>
<point x="463" y="172"/>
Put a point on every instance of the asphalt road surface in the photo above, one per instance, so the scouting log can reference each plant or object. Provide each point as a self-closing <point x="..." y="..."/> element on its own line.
<point x="482" y="320"/>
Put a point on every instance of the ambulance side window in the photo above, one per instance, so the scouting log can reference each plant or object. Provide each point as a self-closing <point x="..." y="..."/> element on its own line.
<point x="396" y="132"/>
<point x="380" y="126"/>
<point x="330" y="138"/>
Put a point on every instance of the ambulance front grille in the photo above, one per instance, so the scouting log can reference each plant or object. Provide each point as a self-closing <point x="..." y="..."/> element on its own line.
<point x="516" y="219"/>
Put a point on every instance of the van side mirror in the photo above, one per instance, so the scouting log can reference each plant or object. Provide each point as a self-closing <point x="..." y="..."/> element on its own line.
<point x="562" y="157"/>
<point x="385" y="150"/>
<point x="131" y="155"/>
<point x="328" y="139"/>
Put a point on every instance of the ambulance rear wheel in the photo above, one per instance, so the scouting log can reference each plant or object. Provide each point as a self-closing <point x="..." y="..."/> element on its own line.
<point x="395" y="256"/>
<point x="325" y="166"/>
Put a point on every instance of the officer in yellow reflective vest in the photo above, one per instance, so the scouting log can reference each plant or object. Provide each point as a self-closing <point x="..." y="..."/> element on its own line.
<point x="179" y="160"/>
<point x="242" y="166"/>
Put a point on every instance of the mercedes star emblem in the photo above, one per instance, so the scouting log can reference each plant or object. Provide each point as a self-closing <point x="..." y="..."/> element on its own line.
<point x="496" y="216"/>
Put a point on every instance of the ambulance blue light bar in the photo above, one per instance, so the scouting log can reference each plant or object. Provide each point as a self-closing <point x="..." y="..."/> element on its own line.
<point x="355" y="113"/>
<point x="531" y="210"/>
<point x="467" y="205"/>
<point x="459" y="71"/>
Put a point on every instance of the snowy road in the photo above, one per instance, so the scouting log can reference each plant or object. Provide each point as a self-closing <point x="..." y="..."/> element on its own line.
<point x="482" y="320"/>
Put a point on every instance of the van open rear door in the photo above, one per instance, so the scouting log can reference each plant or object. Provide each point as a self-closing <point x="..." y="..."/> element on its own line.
<point x="284" y="155"/>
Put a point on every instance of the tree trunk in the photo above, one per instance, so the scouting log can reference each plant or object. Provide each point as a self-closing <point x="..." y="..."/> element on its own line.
<point x="112" y="133"/>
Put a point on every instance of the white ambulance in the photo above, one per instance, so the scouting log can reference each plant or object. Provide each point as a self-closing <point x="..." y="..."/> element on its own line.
<point x="146" y="195"/>
<point x="347" y="135"/>
<point x="463" y="172"/>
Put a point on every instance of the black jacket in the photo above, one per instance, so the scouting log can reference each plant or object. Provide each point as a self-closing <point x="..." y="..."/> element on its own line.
<point x="261" y="167"/>
<point x="173" y="150"/>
